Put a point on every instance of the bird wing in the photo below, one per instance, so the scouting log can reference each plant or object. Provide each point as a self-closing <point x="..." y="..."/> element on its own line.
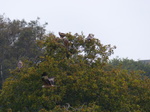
<point x="44" y="82"/>
<point x="45" y="79"/>
<point x="62" y="34"/>
<point x="51" y="80"/>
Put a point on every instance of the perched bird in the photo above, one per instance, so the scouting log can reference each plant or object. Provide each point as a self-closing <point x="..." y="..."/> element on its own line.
<point x="48" y="82"/>
<point x="90" y="36"/>
<point x="62" y="35"/>
<point x="76" y="34"/>
<point x="66" y="42"/>
<point x="20" y="64"/>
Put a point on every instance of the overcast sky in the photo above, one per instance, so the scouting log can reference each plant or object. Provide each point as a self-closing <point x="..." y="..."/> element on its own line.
<point x="124" y="23"/>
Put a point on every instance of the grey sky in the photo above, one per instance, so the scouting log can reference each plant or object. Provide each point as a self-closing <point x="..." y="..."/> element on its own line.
<point x="124" y="23"/>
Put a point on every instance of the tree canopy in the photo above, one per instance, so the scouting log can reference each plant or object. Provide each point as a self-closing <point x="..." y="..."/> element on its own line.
<point x="84" y="80"/>
<point x="18" y="40"/>
<point x="131" y="65"/>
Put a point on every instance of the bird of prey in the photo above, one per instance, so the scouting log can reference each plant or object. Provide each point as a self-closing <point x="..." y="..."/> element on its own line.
<point x="20" y="64"/>
<point x="76" y="34"/>
<point x="48" y="82"/>
<point x="90" y="36"/>
<point x="62" y="35"/>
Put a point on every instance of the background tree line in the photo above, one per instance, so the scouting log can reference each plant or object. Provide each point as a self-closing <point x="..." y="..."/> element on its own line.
<point x="131" y="65"/>
<point x="85" y="79"/>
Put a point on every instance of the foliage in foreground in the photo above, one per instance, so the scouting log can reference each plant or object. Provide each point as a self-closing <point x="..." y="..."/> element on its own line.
<point x="84" y="81"/>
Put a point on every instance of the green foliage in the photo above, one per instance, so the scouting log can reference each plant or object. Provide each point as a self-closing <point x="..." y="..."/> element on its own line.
<point x="85" y="82"/>
<point x="131" y="65"/>
<point x="18" y="40"/>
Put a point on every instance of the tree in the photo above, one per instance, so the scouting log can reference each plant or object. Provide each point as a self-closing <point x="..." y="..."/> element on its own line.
<point x="131" y="65"/>
<point x="18" y="40"/>
<point x="84" y="80"/>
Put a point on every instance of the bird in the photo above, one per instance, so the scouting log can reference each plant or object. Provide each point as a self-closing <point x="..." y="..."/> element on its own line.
<point x="20" y="64"/>
<point x="48" y="82"/>
<point x="76" y="34"/>
<point x="90" y="36"/>
<point x="62" y="35"/>
<point x="66" y="42"/>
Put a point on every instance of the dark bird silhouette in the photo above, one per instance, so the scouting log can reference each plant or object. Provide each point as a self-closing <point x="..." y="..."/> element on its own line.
<point x="90" y="36"/>
<point x="48" y="82"/>
<point x="62" y="35"/>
